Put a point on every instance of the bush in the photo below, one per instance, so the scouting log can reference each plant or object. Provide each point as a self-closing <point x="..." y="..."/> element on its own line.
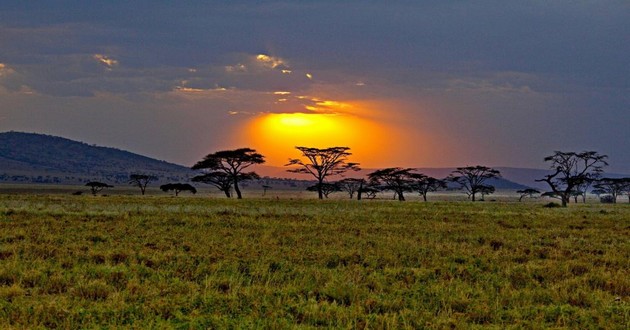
<point x="607" y="199"/>
<point x="551" y="205"/>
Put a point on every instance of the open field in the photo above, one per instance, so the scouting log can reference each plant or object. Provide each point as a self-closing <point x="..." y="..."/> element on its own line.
<point x="161" y="262"/>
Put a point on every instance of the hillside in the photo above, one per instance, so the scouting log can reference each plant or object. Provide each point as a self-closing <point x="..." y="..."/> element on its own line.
<point x="28" y="157"/>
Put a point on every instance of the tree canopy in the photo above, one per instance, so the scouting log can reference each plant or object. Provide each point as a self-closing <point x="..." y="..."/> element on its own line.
<point x="178" y="187"/>
<point x="322" y="163"/>
<point x="473" y="179"/>
<point x="232" y="163"/>
<point x="96" y="186"/>
<point x="141" y="181"/>
<point x="397" y="179"/>
<point x="572" y="169"/>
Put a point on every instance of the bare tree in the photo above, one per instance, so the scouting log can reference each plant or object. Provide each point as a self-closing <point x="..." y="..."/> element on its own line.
<point x="351" y="186"/>
<point x="399" y="180"/>
<point x="613" y="186"/>
<point x="233" y="163"/>
<point x="141" y="181"/>
<point x="529" y="192"/>
<point x="325" y="188"/>
<point x="425" y="184"/>
<point x="178" y="187"/>
<point x="322" y="163"/>
<point x="96" y="186"/>
<point x="472" y="178"/>
<point x="221" y="180"/>
<point x="571" y="170"/>
<point x="486" y="190"/>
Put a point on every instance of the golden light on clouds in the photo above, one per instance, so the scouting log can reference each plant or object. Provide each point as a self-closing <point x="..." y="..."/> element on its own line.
<point x="270" y="61"/>
<point x="108" y="62"/>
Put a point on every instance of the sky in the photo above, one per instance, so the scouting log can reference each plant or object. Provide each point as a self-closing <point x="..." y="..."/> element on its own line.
<point x="402" y="83"/>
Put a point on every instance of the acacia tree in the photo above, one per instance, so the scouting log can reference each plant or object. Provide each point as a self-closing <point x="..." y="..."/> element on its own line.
<point x="96" y="186"/>
<point x="529" y="192"/>
<point x="472" y="178"/>
<point x="141" y="181"/>
<point x="326" y="188"/>
<point x="351" y="186"/>
<point x="571" y="170"/>
<point x="178" y="187"/>
<point x="233" y="163"/>
<point x="397" y="179"/>
<point x="486" y="190"/>
<point x="613" y="186"/>
<point x="425" y="184"/>
<point x="221" y="180"/>
<point x="322" y="163"/>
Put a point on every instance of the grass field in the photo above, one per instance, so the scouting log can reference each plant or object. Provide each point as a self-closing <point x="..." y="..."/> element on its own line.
<point x="162" y="262"/>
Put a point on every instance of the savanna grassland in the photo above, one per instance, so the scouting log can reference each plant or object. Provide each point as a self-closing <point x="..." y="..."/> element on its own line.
<point x="162" y="262"/>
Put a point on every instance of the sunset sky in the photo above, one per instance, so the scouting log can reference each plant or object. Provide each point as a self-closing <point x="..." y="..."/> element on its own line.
<point x="432" y="83"/>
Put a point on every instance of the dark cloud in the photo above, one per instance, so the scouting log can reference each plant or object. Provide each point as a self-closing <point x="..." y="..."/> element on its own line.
<point x="536" y="76"/>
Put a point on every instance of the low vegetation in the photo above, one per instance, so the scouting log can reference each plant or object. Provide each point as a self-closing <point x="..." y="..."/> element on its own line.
<point x="163" y="262"/>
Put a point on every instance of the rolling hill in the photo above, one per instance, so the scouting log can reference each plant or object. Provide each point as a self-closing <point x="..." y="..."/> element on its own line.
<point x="29" y="157"/>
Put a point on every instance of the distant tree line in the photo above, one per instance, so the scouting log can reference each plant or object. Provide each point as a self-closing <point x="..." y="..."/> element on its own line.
<point x="572" y="176"/>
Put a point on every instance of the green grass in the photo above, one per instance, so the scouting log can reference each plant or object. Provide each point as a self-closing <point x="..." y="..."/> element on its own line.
<point x="161" y="262"/>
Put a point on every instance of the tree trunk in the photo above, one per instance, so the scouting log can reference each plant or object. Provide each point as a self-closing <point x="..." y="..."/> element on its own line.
<point x="565" y="200"/>
<point x="360" y="191"/>
<point x="424" y="196"/>
<point x="227" y="193"/>
<point x="238" y="191"/>
<point x="320" y="193"/>
<point x="472" y="196"/>
<point x="401" y="197"/>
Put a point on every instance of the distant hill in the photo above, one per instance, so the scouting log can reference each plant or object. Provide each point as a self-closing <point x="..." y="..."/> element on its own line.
<point x="29" y="157"/>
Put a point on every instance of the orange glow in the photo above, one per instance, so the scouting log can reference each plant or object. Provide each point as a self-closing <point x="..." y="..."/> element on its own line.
<point x="277" y="135"/>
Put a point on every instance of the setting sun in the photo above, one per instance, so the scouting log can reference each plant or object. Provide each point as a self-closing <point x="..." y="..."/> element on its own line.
<point x="276" y="135"/>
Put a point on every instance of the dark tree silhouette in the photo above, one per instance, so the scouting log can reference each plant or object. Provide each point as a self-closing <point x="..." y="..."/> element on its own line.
<point x="325" y="188"/>
<point x="472" y="178"/>
<point x="425" y="184"/>
<point x="399" y="180"/>
<point x="351" y="186"/>
<point x="613" y="186"/>
<point x="96" y="186"/>
<point x="233" y="163"/>
<point x="486" y="190"/>
<point x="221" y="180"/>
<point x="178" y="187"/>
<point x="529" y="192"/>
<point x="571" y="170"/>
<point x="265" y="188"/>
<point x="322" y="163"/>
<point x="141" y="181"/>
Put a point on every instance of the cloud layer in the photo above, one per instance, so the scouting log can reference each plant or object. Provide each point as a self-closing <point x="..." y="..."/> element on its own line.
<point x="499" y="83"/>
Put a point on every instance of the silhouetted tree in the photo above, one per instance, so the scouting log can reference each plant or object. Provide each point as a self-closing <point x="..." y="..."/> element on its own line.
<point x="486" y="190"/>
<point x="265" y="188"/>
<point x="613" y="186"/>
<point x="425" y="184"/>
<point x="221" y="180"/>
<point x="233" y="163"/>
<point x="325" y="188"/>
<point x="571" y="170"/>
<point x="530" y="192"/>
<point x="96" y="186"/>
<point x="472" y="178"/>
<point x="395" y="179"/>
<point x="178" y="187"/>
<point x="141" y="181"/>
<point x="322" y="163"/>
<point x="351" y="186"/>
